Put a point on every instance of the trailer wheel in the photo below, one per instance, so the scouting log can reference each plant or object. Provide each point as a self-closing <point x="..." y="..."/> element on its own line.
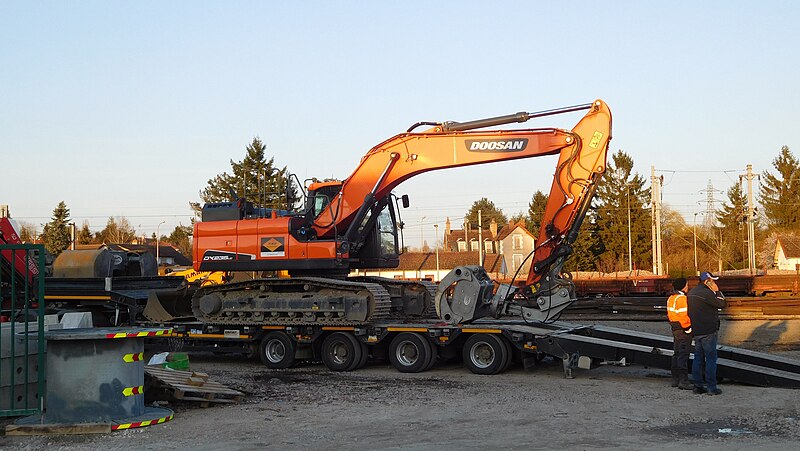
<point x="434" y="357"/>
<point x="510" y="349"/>
<point x="485" y="354"/>
<point x="341" y="352"/>
<point x="364" y="355"/>
<point x="277" y="350"/>
<point x="410" y="353"/>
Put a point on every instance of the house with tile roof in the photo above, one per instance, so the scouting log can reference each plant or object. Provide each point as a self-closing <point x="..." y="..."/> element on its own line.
<point x="787" y="253"/>
<point x="512" y="241"/>
<point x="422" y="265"/>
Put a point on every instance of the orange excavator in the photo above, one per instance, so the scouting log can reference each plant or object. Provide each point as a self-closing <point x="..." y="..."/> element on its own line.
<point x="355" y="223"/>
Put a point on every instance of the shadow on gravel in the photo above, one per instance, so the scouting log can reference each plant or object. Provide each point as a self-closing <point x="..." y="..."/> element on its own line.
<point x="733" y="427"/>
<point x="315" y="385"/>
<point x="325" y="377"/>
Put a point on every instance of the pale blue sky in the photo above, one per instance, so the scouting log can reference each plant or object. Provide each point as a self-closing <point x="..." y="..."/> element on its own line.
<point x="128" y="108"/>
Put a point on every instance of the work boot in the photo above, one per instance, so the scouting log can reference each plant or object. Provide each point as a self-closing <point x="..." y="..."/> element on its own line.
<point x="699" y="390"/>
<point x="715" y="391"/>
<point x="683" y="381"/>
<point x="675" y="378"/>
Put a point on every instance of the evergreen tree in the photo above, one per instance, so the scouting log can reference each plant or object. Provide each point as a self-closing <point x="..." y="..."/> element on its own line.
<point x="586" y="247"/>
<point x="536" y="211"/>
<point x="620" y="193"/>
<point x="780" y="193"/>
<point x="488" y="212"/>
<point x="254" y="178"/>
<point x="56" y="236"/>
<point x="181" y="239"/>
<point x="84" y="235"/>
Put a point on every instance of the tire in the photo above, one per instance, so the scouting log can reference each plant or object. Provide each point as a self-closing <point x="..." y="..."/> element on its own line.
<point x="341" y="352"/>
<point x="510" y="350"/>
<point x="277" y="350"/>
<point x="485" y="354"/>
<point x="364" y="356"/>
<point x="410" y="352"/>
<point x="434" y="357"/>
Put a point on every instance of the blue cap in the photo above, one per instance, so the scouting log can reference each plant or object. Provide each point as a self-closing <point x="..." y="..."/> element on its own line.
<point x="705" y="275"/>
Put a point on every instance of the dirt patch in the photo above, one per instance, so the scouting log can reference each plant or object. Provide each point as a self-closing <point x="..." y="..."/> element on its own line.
<point x="309" y="407"/>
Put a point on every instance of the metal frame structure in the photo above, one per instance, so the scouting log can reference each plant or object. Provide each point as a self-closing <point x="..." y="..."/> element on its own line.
<point x="22" y="345"/>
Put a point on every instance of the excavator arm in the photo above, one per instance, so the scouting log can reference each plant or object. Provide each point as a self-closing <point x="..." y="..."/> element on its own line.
<point x="468" y="293"/>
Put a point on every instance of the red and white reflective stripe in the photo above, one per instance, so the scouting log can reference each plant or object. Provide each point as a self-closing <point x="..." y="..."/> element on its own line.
<point x="138" y="424"/>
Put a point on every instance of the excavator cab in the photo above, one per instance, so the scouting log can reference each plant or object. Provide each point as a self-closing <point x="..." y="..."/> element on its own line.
<point x="376" y="241"/>
<point x="378" y="244"/>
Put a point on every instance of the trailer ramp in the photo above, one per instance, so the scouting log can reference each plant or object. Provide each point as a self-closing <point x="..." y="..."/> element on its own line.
<point x="586" y="346"/>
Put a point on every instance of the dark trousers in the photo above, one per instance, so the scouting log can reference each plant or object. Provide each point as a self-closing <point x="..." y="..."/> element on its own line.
<point x="682" y="343"/>
<point x="705" y="357"/>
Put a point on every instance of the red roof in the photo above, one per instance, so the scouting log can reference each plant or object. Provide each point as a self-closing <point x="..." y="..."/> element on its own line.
<point x="790" y="245"/>
<point x="418" y="261"/>
<point x="510" y="227"/>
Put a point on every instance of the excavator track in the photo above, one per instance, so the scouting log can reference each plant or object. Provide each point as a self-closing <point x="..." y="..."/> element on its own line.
<point x="411" y="300"/>
<point x="298" y="301"/>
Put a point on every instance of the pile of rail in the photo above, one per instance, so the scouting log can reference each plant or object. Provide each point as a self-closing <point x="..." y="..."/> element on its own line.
<point x="649" y="308"/>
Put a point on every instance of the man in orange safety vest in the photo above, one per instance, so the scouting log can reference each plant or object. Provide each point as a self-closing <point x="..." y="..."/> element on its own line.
<point x="678" y="314"/>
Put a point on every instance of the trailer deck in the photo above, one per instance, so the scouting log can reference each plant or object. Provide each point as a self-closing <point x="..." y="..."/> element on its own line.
<point x="578" y="346"/>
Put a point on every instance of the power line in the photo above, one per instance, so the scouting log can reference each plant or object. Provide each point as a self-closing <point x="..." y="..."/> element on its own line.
<point x="699" y="171"/>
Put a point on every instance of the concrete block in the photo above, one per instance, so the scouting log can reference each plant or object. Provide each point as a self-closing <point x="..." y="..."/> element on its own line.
<point x="76" y="320"/>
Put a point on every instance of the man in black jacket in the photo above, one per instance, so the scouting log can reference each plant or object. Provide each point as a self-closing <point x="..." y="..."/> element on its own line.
<point x="704" y="301"/>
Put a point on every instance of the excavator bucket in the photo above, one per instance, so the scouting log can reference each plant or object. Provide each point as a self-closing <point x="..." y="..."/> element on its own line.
<point x="168" y="305"/>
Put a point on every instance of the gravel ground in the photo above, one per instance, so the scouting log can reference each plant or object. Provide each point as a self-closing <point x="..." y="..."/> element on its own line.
<point x="633" y="407"/>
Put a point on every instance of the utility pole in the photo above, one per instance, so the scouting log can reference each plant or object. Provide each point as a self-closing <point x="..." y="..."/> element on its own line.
<point x="694" y="232"/>
<point x="72" y="236"/>
<point x="620" y="176"/>
<point x="710" y="220"/>
<point x="751" y="217"/>
<point x="421" y="235"/>
<point x="480" y="239"/>
<point x="158" y="236"/>
<point x="630" y="248"/>
<point x="655" y="205"/>
<point x="466" y="233"/>
<point x="436" y="243"/>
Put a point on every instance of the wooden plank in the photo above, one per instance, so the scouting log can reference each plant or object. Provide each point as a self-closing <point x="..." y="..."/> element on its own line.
<point x="203" y="376"/>
<point x="202" y="390"/>
<point x="215" y="400"/>
<point x="58" y="429"/>
<point x="182" y="383"/>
